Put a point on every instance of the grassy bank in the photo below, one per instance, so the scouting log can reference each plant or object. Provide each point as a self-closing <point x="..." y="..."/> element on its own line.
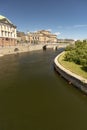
<point x="77" y="69"/>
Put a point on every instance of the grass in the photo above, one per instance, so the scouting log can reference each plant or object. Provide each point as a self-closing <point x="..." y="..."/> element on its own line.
<point x="77" y="69"/>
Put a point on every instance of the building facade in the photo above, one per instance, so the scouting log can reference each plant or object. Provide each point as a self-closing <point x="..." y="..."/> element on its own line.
<point x="42" y="36"/>
<point x="7" y="32"/>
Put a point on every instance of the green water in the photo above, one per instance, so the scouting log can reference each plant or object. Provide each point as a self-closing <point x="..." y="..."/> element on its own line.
<point x="34" y="97"/>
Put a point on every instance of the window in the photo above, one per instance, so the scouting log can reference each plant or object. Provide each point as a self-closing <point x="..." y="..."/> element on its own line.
<point x="7" y="39"/>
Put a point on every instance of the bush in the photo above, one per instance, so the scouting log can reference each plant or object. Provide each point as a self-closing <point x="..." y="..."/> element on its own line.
<point x="69" y="48"/>
<point x="77" y="54"/>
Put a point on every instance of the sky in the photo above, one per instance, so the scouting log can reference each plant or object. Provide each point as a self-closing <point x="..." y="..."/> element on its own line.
<point x="65" y="18"/>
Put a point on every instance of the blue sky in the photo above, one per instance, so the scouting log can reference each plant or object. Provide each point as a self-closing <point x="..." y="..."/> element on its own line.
<point x="66" y="18"/>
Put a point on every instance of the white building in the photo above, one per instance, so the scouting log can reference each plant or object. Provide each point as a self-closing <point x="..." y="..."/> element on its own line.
<point x="7" y="32"/>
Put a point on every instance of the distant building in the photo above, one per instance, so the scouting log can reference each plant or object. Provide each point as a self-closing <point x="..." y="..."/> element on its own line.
<point x="22" y="37"/>
<point x="66" y="41"/>
<point x="42" y="36"/>
<point x="7" y="32"/>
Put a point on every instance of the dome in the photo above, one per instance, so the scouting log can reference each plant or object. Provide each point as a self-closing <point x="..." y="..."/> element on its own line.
<point x="3" y="17"/>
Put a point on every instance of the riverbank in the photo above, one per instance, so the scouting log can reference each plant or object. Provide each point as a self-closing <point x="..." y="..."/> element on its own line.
<point x="73" y="78"/>
<point x="71" y="66"/>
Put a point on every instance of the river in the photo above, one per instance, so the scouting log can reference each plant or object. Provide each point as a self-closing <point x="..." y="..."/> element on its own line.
<point x="34" y="97"/>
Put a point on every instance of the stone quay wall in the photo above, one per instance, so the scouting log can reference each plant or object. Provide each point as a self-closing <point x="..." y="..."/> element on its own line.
<point x="77" y="81"/>
<point x="19" y="49"/>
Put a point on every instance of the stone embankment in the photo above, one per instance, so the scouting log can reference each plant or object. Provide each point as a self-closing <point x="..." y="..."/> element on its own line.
<point x="76" y="80"/>
<point x="19" y="49"/>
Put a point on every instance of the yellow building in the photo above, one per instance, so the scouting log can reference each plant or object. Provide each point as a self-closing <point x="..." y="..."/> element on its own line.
<point x="42" y="36"/>
<point x="7" y="32"/>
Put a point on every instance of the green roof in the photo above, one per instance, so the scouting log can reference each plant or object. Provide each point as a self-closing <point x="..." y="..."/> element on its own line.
<point x="3" y="17"/>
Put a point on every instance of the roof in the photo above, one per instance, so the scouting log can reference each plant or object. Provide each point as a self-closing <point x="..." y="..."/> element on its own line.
<point x="3" y="17"/>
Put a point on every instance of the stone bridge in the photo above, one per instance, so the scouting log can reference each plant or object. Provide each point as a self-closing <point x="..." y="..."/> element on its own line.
<point x="54" y="46"/>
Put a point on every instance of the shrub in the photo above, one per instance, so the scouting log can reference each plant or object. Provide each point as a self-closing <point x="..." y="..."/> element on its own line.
<point x="77" y="54"/>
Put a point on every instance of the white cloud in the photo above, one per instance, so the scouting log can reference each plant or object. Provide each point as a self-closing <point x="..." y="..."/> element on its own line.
<point x="74" y="26"/>
<point x="57" y="33"/>
<point x="49" y="30"/>
<point x="35" y="31"/>
<point x="80" y="26"/>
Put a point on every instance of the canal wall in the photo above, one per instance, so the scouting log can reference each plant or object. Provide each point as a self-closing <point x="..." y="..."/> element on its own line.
<point x="19" y="49"/>
<point x="35" y="47"/>
<point x="26" y="48"/>
<point x="73" y="78"/>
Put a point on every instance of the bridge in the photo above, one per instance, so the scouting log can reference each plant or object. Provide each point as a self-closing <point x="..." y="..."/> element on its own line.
<point x="30" y="47"/>
<point x="54" y="46"/>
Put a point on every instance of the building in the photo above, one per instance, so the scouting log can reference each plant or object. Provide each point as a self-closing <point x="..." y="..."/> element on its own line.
<point x="21" y="37"/>
<point x="7" y="32"/>
<point x="42" y="36"/>
<point x="66" y="41"/>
